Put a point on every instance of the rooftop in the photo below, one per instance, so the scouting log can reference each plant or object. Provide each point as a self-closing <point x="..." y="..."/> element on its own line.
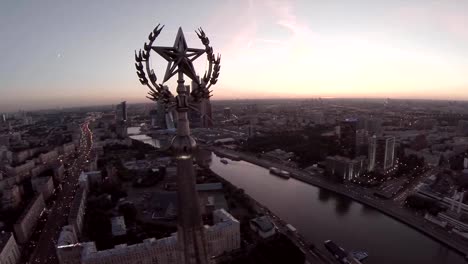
<point x="263" y="223"/>
<point x="66" y="237"/>
<point x="26" y="210"/>
<point x="42" y="180"/>
<point x="224" y="216"/>
<point x="118" y="226"/>
<point x="90" y="251"/>
<point x="4" y="237"/>
<point x="164" y="204"/>
<point x="75" y="207"/>
<point x="92" y="173"/>
<point x="209" y="186"/>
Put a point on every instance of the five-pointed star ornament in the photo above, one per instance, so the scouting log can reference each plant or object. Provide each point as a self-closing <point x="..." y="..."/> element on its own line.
<point x="179" y="57"/>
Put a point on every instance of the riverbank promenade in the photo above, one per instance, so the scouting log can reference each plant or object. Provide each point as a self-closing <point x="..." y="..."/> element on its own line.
<point x="362" y="195"/>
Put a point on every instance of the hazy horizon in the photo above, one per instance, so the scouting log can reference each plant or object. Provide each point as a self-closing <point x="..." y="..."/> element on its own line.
<point x="216" y="100"/>
<point x="67" y="54"/>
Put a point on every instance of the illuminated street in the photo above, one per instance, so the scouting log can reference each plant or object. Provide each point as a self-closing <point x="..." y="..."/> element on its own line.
<point x="57" y="218"/>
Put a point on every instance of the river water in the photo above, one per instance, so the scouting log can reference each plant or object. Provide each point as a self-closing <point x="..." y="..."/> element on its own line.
<point x="135" y="133"/>
<point x="320" y="215"/>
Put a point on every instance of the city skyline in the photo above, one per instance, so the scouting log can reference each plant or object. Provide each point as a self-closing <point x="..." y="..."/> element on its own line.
<point x="60" y="54"/>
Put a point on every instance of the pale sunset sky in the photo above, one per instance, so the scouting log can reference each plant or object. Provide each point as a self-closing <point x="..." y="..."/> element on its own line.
<point x="59" y="53"/>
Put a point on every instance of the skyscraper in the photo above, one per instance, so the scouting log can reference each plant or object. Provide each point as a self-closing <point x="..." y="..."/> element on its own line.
<point x="163" y="118"/>
<point x="362" y="137"/>
<point x="381" y="153"/>
<point x="345" y="169"/>
<point x="122" y="111"/>
<point x="372" y="153"/>
<point x="121" y="115"/>
<point x="207" y="116"/>
<point x="201" y="116"/>
<point x="194" y="115"/>
<point x="348" y="141"/>
<point x="169" y="117"/>
<point x="153" y="115"/>
<point x="160" y="115"/>
<point x="227" y="113"/>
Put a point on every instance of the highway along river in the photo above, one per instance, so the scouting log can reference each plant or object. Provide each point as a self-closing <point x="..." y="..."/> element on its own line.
<point x="320" y="215"/>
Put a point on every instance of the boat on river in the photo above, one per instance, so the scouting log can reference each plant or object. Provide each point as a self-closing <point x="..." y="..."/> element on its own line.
<point x="281" y="173"/>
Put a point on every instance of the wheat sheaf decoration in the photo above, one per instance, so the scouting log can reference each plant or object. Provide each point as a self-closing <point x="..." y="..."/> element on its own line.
<point x="214" y="66"/>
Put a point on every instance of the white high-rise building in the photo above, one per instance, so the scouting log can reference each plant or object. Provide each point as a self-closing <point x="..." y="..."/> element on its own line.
<point x="27" y="221"/>
<point x="345" y="169"/>
<point x="372" y="153"/>
<point x="44" y="185"/>
<point x="9" y="251"/>
<point x="224" y="235"/>
<point x="68" y="248"/>
<point x="381" y="153"/>
<point x="77" y="210"/>
<point x="48" y="157"/>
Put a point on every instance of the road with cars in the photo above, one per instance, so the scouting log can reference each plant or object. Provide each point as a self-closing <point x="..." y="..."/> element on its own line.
<point x="57" y="217"/>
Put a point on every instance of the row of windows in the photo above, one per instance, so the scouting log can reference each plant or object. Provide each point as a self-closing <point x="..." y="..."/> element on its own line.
<point x="13" y="258"/>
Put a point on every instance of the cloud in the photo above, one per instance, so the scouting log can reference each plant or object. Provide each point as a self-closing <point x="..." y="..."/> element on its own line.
<point x="258" y="17"/>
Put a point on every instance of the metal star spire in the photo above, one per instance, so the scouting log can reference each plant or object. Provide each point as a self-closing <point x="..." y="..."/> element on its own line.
<point x="179" y="57"/>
